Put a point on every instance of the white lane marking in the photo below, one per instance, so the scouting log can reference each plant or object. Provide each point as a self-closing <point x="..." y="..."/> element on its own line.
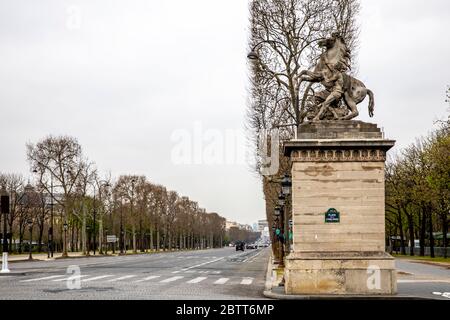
<point x="97" y="278"/>
<point x="222" y="281"/>
<point x="122" y="278"/>
<point x="252" y="258"/>
<point x="202" y="264"/>
<point x="44" y="278"/>
<point x="443" y="294"/>
<point x="171" y="279"/>
<point x="71" y="278"/>
<point x="422" y="281"/>
<point x="197" y="280"/>
<point x="217" y="272"/>
<point x="247" y="281"/>
<point x="148" y="278"/>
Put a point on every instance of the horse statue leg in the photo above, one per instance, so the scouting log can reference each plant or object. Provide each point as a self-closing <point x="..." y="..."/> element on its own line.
<point x="356" y="94"/>
<point x="351" y="105"/>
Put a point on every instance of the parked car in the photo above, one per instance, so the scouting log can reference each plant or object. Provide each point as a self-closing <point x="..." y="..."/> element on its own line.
<point x="240" y="246"/>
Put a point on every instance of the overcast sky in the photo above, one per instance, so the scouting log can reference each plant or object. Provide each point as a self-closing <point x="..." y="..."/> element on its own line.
<point x="135" y="81"/>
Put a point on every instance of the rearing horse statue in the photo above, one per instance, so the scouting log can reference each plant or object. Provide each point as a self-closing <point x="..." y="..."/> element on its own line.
<point x="330" y="72"/>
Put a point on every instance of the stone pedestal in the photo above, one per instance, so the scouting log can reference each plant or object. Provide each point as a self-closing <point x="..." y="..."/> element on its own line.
<point x="339" y="165"/>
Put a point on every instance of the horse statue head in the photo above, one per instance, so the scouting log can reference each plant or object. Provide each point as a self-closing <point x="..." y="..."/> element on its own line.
<point x="336" y="51"/>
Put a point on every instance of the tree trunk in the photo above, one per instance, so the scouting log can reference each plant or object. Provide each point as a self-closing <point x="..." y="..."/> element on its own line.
<point x="411" y="234"/>
<point x="402" y="236"/>
<point x="133" y="227"/>
<point x="444" y="232"/>
<point x="423" y="226"/>
<point x="40" y="236"/>
<point x="83" y="232"/>
<point x="100" y="235"/>
<point x="430" y="215"/>
<point x="151" y="240"/>
<point x="157" y="239"/>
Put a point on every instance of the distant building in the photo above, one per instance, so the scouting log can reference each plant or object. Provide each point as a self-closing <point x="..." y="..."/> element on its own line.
<point x="231" y="224"/>
<point x="263" y="227"/>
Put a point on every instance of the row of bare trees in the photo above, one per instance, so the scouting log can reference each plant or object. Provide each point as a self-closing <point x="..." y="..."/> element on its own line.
<point x="283" y="43"/>
<point x="66" y="203"/>
<point x="418" y="193"/>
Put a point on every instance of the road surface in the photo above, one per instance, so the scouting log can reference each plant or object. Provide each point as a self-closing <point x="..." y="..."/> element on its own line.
<point x="206" y="274"/>
<point x="423" y="280"/>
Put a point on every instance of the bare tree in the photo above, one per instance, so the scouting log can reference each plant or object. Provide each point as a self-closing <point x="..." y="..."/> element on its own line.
<point x="58" y="162"/>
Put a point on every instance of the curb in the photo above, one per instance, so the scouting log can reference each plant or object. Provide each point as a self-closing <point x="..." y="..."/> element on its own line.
<point x="10" y="274"/>
<point x="277" y="296"/>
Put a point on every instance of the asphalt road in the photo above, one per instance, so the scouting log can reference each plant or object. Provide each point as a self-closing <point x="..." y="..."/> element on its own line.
<point x="206" y="274"/>
<point x="423" y="280"/>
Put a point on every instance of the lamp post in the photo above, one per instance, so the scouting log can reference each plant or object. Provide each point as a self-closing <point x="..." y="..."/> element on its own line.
<point x="65" y="226"/>
<point x="121" y="229"/>
<point x="133" y="181"/>
<point x="88" y="229"/>
<point x="50" y="230"/>
<point x="4" y="210"/>
<point x="30" y="228"/>
<point x="105" y="241"/>
<point x="280" y="232"/>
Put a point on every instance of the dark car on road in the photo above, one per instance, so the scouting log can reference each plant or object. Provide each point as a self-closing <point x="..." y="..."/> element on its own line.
<point x="240" y="246"/>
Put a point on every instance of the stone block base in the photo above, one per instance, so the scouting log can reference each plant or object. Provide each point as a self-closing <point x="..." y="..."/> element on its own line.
<point x="340" y="273"/>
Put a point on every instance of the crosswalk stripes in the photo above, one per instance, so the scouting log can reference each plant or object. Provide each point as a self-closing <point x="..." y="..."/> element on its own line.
<point x="247" y="281"/>
<point x="70" y="278"/>
<point x="122" y="278"/>
<point x="148" y="278"/>
<point x="117" y="278"/>
<point x="222" y="281"/>
<point x="44" y="278"/>
<point x="97" y="278"/>
<point x="197" y="280"/>
<point x="171" y="279"/>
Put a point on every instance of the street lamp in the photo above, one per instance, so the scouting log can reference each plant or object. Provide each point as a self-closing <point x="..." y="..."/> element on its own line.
<point x="133" y="181"/>
<point x="88" y="229"/>
<point x="277" y="211"/>
<point x="105" y="241"/>
<point x="65" y="226"/>
<point x="286" y="185"/>
<point x="281" y="199"/>
<point x="30" y="228"/>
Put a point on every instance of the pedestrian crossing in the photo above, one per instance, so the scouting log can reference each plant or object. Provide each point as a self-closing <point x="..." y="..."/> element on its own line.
<point x="136" y="279"/>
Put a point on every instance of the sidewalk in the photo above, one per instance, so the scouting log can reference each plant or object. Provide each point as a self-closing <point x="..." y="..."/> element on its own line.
<point x="58" y="255"/>
<point x="44" y="256"/>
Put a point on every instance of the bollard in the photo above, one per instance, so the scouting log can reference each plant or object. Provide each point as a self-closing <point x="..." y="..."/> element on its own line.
<point x="5" y="263"/>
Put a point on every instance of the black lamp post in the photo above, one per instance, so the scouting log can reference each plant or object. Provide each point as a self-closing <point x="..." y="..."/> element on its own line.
<point x="279" y="216"/>
<point x="121" y="230"/>
<point x="88" y="228"/>
<point x="30" y="229"/>
<point x="93" y="231"/>
<point x="105" y="241"/>
<point x="65" y="227"/>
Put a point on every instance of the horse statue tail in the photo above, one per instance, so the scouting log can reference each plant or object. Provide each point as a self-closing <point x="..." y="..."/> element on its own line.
<point x="371" y="102"/>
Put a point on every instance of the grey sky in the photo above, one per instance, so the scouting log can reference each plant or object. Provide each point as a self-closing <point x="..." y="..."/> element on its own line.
<point x="125" y="75"/>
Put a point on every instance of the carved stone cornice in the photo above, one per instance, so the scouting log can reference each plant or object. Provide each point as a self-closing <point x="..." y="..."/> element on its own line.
<point x="338" y="155"/>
